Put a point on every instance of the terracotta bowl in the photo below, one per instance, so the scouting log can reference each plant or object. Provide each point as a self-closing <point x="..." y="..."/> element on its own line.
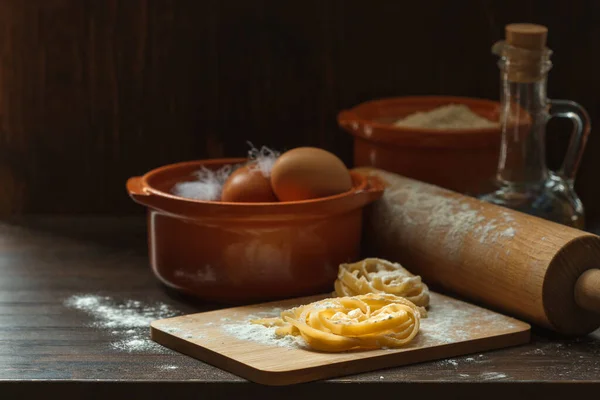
<point x="246" y="252"/>
<point x="460" y="160"/>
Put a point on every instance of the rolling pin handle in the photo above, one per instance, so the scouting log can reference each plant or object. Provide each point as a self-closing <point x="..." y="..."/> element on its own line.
<point x="587" y="290"/>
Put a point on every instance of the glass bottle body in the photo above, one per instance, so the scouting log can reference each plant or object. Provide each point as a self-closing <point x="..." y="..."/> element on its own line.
<point x="523" y="180"/>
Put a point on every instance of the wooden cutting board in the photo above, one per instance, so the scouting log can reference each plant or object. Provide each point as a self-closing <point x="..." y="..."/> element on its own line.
<point x="225" y="339"/>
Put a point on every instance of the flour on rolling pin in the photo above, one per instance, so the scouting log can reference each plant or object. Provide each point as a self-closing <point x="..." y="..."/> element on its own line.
<point x="421" y="204"/>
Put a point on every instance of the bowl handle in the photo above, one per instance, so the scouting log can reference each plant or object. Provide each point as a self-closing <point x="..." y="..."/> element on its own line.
<point x="137" y="191"/>
<point x="374" y="189"/>
<point x="347" y="120"/>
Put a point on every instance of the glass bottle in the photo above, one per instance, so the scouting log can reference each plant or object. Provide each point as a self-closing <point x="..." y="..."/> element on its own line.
<point x="523" y="180"/>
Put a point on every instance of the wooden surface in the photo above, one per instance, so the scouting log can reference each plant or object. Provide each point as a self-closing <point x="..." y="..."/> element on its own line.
<point x="513" y="262"/>
<point x="47" y="348"/>
<point x="93" y="92"/>
<point x="452" y="328"/>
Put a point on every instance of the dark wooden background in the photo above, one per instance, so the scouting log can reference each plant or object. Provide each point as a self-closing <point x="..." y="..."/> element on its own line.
<point x="95" y="91"/>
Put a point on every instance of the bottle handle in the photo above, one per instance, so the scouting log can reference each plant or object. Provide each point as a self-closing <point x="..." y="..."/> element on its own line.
<point x="581" y="130"/>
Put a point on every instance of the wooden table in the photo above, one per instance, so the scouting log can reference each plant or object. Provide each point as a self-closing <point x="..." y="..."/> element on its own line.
<point x="47" y="347"/>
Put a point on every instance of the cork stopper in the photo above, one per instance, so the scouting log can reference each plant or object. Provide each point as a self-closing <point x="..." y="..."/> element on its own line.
<point x="526" y="36"/>
<point x="525" y="49"/>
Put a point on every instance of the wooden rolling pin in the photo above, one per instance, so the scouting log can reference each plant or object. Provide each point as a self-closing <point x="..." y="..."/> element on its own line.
<point x="525" y="266"/>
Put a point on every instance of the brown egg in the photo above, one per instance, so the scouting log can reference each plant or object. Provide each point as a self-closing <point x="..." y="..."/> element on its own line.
<point x="308" y="173"/>
<point x="247" y="184"/>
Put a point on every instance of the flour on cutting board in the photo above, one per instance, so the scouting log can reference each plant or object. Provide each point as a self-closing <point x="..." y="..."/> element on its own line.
<point x="245" y="330"/>
<point x="446" y="323"/>
<point x="240" y="329"/>
<point x="128" y="321"/>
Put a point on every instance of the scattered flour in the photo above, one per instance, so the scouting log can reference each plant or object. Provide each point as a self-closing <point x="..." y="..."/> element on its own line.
<point x="245" y="330"/>
<point x="136" y="344"/>
<point x="485" y="230"/>
<point x="508" y="232"/>
<point x="168" y="367"/>
<point x="110" y="314"/>
<point x="185" y="328"/>
<point x="129" y="320"/>
<point x="489" y="232"/>
<point x="445" y="322"/>
<point x="440" y="215"/>
<point x="457" y="362"/>
<point x="488" y="376"/>
<point x="535" y="351"/>
<point x="507" y="217"/>
<point x="449" y="362"/>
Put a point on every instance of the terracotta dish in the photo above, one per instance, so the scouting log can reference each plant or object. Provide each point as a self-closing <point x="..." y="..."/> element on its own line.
<point x="462" y="160"/>
<point x="244" y="252"/>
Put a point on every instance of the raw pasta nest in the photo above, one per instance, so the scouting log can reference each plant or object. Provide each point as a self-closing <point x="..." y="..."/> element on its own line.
<point x="337" y="324"/>
<point x="374" y="275"/>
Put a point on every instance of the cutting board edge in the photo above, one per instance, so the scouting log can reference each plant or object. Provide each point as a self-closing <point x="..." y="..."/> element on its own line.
<point x="343" y="368"/>
<point x="410" y="358"/>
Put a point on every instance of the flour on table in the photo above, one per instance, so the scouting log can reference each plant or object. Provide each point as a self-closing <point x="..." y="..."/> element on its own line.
<point x="449" y="362"/>
<point x="458" y="361"/>
<point x="137" y="344"/>
<point x="535" y="351"/>
<point x="488" y="376"/>
<point x="128" y="321"/>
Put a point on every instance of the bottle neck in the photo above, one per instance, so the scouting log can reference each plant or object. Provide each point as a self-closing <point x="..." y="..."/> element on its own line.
<point x="523" y="118"/>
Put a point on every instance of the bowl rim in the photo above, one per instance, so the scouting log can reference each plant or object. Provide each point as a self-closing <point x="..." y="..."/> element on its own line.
<point x="361" y="184"/>
<point x="424" y="99"/>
